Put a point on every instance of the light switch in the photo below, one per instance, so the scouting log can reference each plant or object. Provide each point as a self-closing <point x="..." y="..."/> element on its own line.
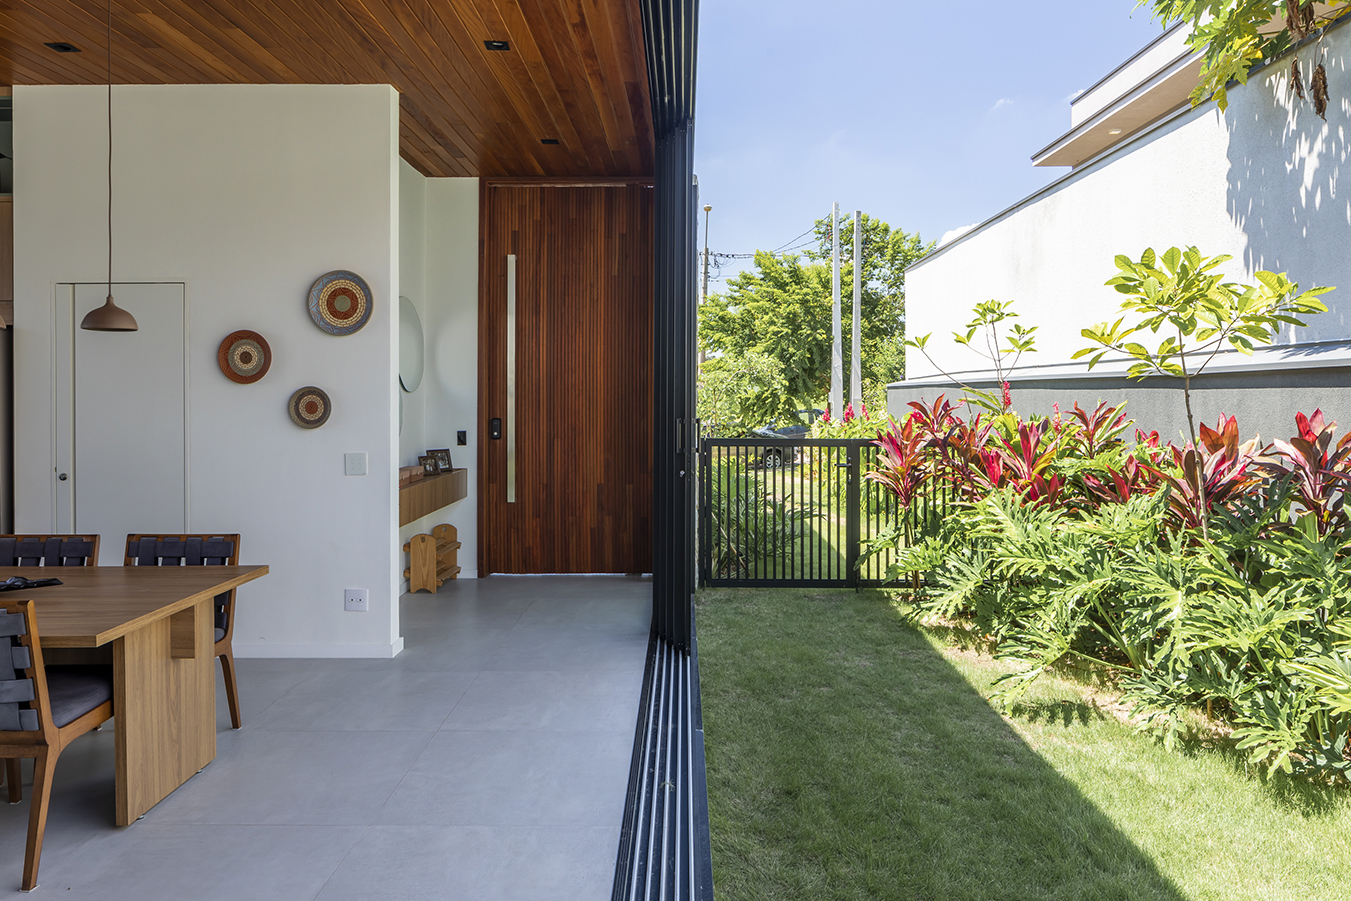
<point x="354" y="464"/>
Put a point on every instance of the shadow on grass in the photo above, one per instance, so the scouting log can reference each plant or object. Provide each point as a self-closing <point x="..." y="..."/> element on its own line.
<point x="1309" y="799"/>
<point x="1063" y="713"/>
<point x="848" y="759"/>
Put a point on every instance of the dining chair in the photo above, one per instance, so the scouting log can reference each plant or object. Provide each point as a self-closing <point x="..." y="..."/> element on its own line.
<point x="42" y="711"/>
<point x="49" y="550"/>
<point x="198" y="550"/>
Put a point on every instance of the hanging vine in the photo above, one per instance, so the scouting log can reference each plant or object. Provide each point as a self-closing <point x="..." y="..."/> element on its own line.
<point x="1235" y="35"/>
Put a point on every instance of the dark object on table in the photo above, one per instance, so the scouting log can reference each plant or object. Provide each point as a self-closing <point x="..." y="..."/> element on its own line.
<point x="19" y="583"/>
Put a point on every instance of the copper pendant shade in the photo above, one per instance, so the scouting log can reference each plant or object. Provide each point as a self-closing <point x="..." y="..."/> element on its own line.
<point x="109" y="317"/>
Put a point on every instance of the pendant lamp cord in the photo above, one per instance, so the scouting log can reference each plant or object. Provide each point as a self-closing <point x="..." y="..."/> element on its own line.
<point x="110" y="148"/>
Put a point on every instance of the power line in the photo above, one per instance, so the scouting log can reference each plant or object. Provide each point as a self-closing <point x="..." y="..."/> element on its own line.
<point x="798" y="238"/>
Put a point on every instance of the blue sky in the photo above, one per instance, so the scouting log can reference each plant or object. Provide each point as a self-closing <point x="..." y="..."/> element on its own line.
<point x="923" y="114"/>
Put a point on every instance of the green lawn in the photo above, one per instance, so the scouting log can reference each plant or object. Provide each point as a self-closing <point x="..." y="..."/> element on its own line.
<point x="852" y="756"/>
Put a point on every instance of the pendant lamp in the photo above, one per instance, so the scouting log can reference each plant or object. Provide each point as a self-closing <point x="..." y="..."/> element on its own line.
<point x="109" y="317"/>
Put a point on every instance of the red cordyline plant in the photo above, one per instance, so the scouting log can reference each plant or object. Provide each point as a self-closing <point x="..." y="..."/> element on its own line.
<point x="1121" y="485"/>
<point x="1211" y="476"/>
<point x="1320" y="468"/>
<point x="933" y="420"/>
<point x="1025" y="465"/>
<point x="901" y="467"/>
<point x="1099" y="430"/>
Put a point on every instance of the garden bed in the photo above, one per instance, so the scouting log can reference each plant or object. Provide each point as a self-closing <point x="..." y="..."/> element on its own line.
<point x="850" y="755"/>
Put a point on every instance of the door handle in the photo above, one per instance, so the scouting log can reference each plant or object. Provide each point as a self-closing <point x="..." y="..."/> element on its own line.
<point x="62" y="477"/>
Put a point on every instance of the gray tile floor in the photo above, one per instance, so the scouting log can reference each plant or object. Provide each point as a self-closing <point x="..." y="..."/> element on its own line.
<point x="488" y="761"/>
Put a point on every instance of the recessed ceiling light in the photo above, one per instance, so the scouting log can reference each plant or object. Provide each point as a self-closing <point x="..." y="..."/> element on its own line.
<point x="548" y="140"/>
<point x="497" y="45"/>
<point x="1114" y="131"/>
<point x="63" y="47"/>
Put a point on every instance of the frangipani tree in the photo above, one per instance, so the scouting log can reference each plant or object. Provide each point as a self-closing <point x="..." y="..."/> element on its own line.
<point x="1235" y="35"/>
<point x="1016" y="340"/>
<point x="1183" y="298"/>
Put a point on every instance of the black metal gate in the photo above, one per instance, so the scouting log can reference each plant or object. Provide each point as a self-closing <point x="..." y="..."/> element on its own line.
<point x="790" y="512"/>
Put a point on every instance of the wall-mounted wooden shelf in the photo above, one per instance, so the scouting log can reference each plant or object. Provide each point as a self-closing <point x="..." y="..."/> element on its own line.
<point x="431" y="493"/>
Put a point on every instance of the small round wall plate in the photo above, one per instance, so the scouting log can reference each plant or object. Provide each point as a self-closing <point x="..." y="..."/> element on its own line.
<point x="340" y="302"/>
<point x="244" y="357"/>
<point x="309" y="407"/>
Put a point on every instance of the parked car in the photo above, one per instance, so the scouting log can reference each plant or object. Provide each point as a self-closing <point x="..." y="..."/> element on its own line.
<point x="796" y="425"/>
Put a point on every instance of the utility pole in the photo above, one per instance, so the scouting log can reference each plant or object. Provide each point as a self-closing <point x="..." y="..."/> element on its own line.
<point x="836" y="350"/>
<point x="708" y="207"/>
<point x="856" y="360"/>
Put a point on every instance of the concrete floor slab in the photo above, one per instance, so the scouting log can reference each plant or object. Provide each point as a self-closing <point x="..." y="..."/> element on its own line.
<point x="489" y="760"/>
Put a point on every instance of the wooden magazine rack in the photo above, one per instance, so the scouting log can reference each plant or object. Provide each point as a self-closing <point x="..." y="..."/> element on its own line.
<point x="432" y="559"/>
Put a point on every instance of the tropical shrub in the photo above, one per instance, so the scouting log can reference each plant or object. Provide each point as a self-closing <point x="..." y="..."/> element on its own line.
<point x="1062" y="542"/>
<point x="860" y="423"/>
<point x="749" y="523"/>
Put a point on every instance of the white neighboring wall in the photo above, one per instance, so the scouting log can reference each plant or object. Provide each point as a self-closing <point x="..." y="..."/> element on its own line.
<point x="247" y="193"/>
<point x="1260" y="182"/>
<point x="439" y="269"/>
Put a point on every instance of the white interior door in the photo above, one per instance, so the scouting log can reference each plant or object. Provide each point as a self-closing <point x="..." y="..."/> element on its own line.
<point x="122" y="416"/>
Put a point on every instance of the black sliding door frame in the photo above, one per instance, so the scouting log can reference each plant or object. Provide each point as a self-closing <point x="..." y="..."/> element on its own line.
<point x="670" y="30"/>
<point x="664" y="846"/>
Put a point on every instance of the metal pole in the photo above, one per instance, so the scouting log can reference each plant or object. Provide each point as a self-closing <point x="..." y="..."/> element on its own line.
<point x="836" y="349"/>
<point x="856" y="356"/>
<point x="708" y="207"/>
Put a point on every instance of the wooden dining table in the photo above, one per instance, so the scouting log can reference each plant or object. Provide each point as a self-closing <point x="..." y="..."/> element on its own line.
<point x="159" y="624"/>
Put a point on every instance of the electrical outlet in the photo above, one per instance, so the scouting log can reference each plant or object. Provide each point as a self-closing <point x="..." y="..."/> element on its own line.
<point x="354" y="464"/>
<point x="461" y="437"/>
<point x="356" y="600"/>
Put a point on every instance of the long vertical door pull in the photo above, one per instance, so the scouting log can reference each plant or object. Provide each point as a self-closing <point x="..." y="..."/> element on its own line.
<point x="511" y="378"/>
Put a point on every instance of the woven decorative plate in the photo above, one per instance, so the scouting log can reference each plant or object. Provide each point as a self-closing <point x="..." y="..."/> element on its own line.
<point x="340" y="302"/>
<point x="309" y="407"/>
<point x="244" y="357"/>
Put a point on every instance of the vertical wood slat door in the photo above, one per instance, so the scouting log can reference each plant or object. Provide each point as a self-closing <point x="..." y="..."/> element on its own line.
<point x="583" y="379"/>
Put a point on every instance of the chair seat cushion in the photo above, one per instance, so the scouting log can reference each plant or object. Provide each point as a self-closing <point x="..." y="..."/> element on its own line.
<point x="220" y="633"/>
<point x="76" y="690"/>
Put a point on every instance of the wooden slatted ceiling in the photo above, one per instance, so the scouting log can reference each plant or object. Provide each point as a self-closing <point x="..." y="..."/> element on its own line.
<point x="583" y="379"/>
<point x="575" y="71"/>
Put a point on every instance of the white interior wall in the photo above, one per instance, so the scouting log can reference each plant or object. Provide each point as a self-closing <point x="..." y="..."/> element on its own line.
<point x="1259" y="182"/>
<point x="247" y="193"/>
<point x="440" y="271"/>
<point x="413" y="285"/>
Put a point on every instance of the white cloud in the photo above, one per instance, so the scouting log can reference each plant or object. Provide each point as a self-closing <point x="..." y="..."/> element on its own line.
<point x="1001" y="102"/>
<point x="954" y="234"/>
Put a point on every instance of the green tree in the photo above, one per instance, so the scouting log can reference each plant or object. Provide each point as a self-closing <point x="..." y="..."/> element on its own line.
<point x="782" y="308"/>
<point x="1182" y="295"/>
<point x="1237" y="34"/>
<point x="739" y="392"/>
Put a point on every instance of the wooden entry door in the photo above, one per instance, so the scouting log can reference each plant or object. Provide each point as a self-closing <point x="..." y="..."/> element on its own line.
<point x="582" y="277"/>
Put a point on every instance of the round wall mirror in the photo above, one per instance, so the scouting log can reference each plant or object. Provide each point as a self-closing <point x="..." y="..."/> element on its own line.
<point x="410" y="346"/>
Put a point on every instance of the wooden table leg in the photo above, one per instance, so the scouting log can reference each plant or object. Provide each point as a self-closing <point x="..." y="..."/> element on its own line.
<point x="164" y="705"/>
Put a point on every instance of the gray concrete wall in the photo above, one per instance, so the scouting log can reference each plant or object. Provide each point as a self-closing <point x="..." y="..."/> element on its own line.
<point x="1265" y="402"/>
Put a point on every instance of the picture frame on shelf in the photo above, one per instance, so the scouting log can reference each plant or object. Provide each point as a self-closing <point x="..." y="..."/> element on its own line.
<point x="429" y="466"/>
<point x="442" y="455"/>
